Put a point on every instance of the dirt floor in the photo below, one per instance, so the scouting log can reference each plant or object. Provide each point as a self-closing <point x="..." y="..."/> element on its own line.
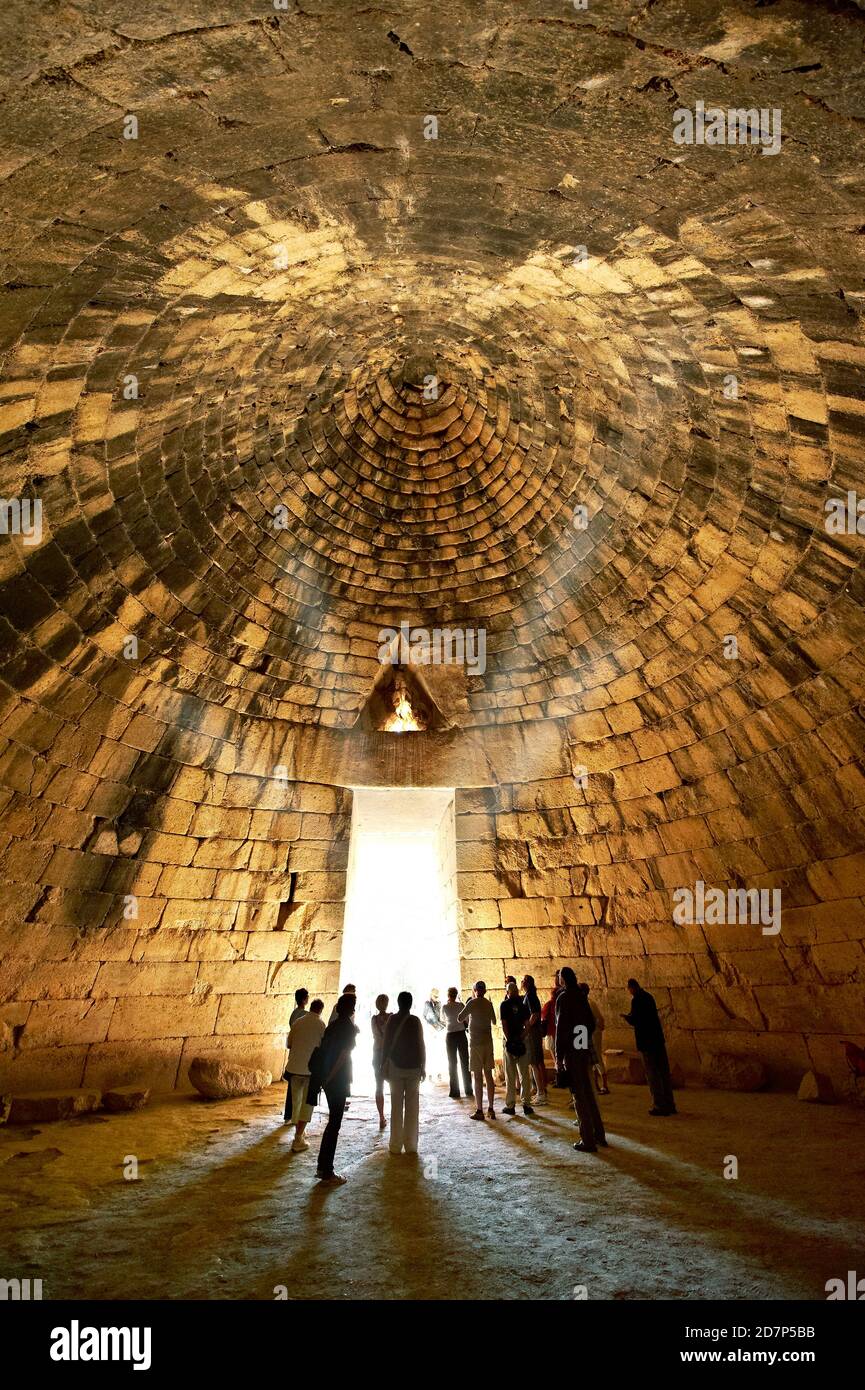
<point x="222" y="1210"/>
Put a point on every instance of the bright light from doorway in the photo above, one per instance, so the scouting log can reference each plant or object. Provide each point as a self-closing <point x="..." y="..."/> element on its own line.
<point x="400" y="927"/>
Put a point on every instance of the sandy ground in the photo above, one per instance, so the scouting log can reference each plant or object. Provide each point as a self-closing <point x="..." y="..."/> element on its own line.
<point x="221" y="1208"/>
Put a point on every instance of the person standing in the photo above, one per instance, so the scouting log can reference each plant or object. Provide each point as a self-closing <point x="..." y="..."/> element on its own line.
<point x="379" y="1023"/>
<point x="596" y="1050"/>
<point x="456" y="1043"/>
<point x="300" y="998"/>
<point x="535" y="1038"/>
<point x="347" y="989"/>
<point x="305" y="1034"/>
<point x="404" y="1066"/>
<point x="548" y="1015"/>
<point x="574" y="1027"/>
<point x="514" y="1014"/>
<point x="480" y="1016"/>
<point x="332" y="1074"/>
<point x="432" y="1016"/>
<point x="649" y="1037"/>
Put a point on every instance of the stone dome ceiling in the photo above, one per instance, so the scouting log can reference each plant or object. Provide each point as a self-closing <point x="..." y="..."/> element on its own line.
<point x="284" y="373"/>
<point x="216" y="336"/>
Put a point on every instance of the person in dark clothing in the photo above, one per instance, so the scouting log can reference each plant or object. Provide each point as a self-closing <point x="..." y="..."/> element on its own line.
<point x="575" y="1024"/>
<point x="331" y="1073"/>
<point x="514" y="1014"/>
<point x="535" y="1038"/>
<point x="404" y="1065"/>
<point x="456" y="1042"/>
<point x="649" y="1037"/>
<point x="301" y="999"/>
<point x="548" y="1017"/>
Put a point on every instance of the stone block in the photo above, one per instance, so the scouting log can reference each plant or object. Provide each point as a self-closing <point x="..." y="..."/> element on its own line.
<point x="552" y="942"/>
<point x="54" y="980"/>
<point x="268" y="946"/>
<point x="319" y="977"/>
<point x="816" y="1089"/>
<point x="120" y="979"/>
<point x="218" y="1079"/>
<point x="155" y="1017"/>
<point x="317" y="888"/>
<point x="253" y="1013"/>
<point x="42" y="1067"/>
<point x="518" y="912"/>
<point x="475" y="855"/>
<point x="261" y="917"/>
<point x="480" y="886"/>
<point x="811" y="1008"/>
<point x="125" y="1098"/>
<point x="264" y="1052"/>
<point x="725" y="1072"/>
<point x="785" y="1055"/>
<point x="106" y="943"/>
<point x="41" y="1107"/>
<point x="187" y="883"/>
<point x="726" y="1007"/>
<point x="233" y="977"/>
<point x="159" y="945"/>
<point x="66" y="1022"/>
<point x="217" y="945"/>
<point x="624" y="1068"/>
<point x="838" y="878"/>
<point x="480" y="945"/>
<point x="840" y="962"/>
<point x="153" y="1064"/>
<point x="191" y="914"/>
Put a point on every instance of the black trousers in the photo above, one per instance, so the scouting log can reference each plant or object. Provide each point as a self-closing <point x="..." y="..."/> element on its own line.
<point x="457" y="1047"/>
<point x="588" y="1114"/>
<point x="657" y="1067"/>
<point x="336" y="1107"/>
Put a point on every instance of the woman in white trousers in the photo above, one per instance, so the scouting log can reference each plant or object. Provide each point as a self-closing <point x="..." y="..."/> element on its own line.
<point x="404" y="1067"/>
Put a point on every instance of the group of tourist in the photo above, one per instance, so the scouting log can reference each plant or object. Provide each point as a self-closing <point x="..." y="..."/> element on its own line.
<point x="569" y="1022"/>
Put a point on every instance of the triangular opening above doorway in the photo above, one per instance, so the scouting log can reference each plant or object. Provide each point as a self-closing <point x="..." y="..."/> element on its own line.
<point x="400" y="702"/>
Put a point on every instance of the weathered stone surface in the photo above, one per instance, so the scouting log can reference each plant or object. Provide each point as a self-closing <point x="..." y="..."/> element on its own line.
<point x="693" y="382"/>
<point x="220" y="1080"/>
<point x="816" y="1089"/>
<point x="624" y="1068"/>
<point x="728" y="1073"/>
<point x="39" y="1107"/>
<point x="125" y="1098"/>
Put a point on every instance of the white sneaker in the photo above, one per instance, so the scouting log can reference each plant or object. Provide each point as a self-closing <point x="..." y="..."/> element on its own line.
<point x="299" y="1146"/>
<point x="540" y="1100"/>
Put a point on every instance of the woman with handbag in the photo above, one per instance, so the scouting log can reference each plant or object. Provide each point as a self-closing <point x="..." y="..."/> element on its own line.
<point x="404" y="1067"/>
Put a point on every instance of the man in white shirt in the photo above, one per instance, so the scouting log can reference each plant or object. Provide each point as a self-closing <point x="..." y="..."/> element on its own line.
<point x="480" y="1016"/>
<point x="306" y="1033"/>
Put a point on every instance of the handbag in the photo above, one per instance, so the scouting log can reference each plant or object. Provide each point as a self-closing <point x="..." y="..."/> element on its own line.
<point x="385" y="1071"/>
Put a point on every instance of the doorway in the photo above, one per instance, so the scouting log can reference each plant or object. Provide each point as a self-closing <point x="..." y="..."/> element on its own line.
<point x="400" y="930"/>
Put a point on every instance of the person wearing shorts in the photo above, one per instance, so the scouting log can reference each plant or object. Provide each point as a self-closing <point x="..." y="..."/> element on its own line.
<point x="306" y="1033"/>
<point x="480" y="1016"/>
<point x="535" y="1039"/>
